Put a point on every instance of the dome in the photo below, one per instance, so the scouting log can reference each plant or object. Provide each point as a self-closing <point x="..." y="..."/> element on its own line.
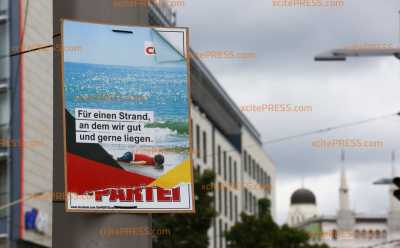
<point x="303" y="196"/>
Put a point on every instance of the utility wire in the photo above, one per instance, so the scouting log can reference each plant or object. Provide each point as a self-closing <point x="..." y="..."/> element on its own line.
<point x="5" y="206"/>
<point x="330" y="128"/>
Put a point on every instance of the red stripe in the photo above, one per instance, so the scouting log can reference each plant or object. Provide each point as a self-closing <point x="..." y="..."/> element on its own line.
<point x="85" y="175"/>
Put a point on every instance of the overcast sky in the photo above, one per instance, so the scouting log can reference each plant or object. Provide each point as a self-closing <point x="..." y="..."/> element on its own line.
<point x="285" y="40"/>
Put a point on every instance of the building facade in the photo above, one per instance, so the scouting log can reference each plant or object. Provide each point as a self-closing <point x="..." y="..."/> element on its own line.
<point x="4" y="114"/>
<point x="223" y="139"/>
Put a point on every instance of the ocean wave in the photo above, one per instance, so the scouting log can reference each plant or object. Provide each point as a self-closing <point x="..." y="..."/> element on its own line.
<point x="181" y="128"/>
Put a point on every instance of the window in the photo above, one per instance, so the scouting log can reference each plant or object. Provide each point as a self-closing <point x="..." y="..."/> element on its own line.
<point x="236" y="208"/>
<point x="377" y="234"/>
<point x="230" y="206"/>
<point x="363" y="234"/>
<point x="255" y="206"/>
<point x="221" y="233"/>
<point x="219" y="160"/>
<point x="3" y="187"/>
<point x="249" y="163"/>
<point x="219" y="198"/>
<point x="370" y="234"/>
<point x="257" y="173"/>
<point x="265" y="180"/>
<point x="225" y="165"/>
<point x="261" y="175"/>
<point x="230" y="169"/>
<point x="357" y="234"/>
<point x="250" y="203"/>
<point x="215" y="232"/>
<point x="204" y="147"/>
<point x="198" y="140"/>
<point x="225" y="202"/>
<point x="262" y="179"/>
<point x="334" y="234"/>
<point x="254" y="169"/>
<point x="226" y="229"/>
<point x="245" y="199"/>
<point x="235" y="174"/>
<point x="384" y="234"/>
<point x="245" y="160"/>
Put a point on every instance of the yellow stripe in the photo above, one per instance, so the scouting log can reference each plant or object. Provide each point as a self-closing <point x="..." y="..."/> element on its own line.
<point x="179" y="174"/>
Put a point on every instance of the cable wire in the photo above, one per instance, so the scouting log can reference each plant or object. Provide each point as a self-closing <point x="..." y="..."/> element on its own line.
<point x="330" y="128"/>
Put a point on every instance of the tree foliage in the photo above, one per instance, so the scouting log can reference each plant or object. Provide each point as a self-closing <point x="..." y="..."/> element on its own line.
<point x="189" y="230"/>
<point x="262" y="232"/>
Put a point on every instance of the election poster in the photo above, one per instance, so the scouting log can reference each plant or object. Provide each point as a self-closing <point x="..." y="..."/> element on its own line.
<point x="126" y="100"/>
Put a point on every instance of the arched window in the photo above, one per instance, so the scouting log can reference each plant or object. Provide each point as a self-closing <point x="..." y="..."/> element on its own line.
<point x="384" y="234"/>
<point x="363" y="234"/>
<point x="334" y="234"/>
<point x="377" y="234"/>
<point x="370" y="234"/>
<point x="357" y="234"/>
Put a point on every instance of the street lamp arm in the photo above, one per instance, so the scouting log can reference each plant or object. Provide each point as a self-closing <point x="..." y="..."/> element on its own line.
<point x="343" y="53"/>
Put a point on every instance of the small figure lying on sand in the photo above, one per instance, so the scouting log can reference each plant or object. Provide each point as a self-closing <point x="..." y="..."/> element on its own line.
<point x="142" y="159"/>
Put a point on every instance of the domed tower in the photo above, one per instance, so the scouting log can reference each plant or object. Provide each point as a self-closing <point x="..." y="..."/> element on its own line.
<point x="303" y="206"/>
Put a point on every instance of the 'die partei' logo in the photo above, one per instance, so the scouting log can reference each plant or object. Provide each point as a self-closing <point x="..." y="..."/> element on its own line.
<point x="149" y="48"/>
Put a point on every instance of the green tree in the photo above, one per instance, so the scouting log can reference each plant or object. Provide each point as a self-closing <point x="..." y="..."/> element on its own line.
<point x="189" y="230"/>
<point x="262" y="232"/>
